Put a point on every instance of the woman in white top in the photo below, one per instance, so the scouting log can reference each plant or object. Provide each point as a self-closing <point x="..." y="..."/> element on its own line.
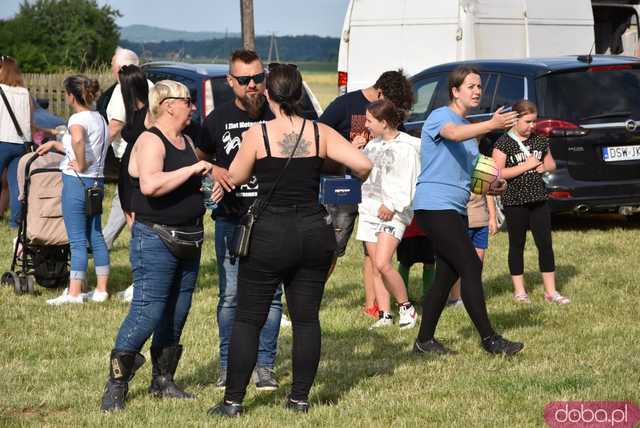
<point x="11" y="142"/>
<point x="385" y="210"/>
<point x="85" y="148"/>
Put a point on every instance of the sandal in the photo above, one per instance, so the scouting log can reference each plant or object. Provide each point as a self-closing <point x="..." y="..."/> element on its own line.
<point x="521" y="298"/>
<point x="556" y="298"/>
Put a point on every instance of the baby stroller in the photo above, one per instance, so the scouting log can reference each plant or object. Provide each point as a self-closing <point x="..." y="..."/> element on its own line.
<point x="41" y="251"/>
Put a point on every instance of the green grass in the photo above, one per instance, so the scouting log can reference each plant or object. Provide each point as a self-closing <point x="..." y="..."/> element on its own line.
<point x="53" y="360"/>
<point x="323" y="82"/>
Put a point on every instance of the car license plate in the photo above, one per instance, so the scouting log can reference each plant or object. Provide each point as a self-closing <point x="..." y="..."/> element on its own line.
<point x="621" y="153"/>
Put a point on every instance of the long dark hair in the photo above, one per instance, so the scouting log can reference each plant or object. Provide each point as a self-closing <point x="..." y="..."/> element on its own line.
<point x="284" y="84"/>
<point x="133" y="84"/>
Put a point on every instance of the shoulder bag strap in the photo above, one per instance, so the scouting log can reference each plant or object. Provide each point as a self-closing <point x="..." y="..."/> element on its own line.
<point x="521" y="146"/>
<point x="13" y="116"/>
<point x="263" y="204"/>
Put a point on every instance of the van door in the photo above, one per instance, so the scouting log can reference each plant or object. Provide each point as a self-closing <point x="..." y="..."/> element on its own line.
<point x="616" y="27"/>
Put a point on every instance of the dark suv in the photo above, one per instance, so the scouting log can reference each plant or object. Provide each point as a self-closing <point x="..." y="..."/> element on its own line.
<point x="589" y="107"/>
<point x="208" y="86"/>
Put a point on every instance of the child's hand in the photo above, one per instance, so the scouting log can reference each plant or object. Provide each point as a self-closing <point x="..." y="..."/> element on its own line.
<point x="359" y="141"/>
<point x="384" y="213"/>
<point x="493" y="226"/>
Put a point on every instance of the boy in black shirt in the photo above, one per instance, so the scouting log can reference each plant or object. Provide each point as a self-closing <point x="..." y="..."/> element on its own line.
<point x="219" y="140"/>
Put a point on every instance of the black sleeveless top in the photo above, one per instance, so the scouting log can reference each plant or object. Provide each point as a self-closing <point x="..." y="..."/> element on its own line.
<point x="181" y="207"/>
<point x="300" y="183"/>
<point x="130" y="134"/>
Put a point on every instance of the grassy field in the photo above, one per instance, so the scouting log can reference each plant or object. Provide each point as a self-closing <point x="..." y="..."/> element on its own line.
<point x="53" y="360"/>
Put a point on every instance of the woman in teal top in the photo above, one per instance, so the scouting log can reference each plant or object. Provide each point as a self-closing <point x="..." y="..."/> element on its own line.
<point x="448" y="151"/>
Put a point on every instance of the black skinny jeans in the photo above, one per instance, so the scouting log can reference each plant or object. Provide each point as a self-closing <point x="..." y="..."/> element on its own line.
<point x="293" y="246"/>
<point x="537" y="218"/>
<point x="455" y="258"/>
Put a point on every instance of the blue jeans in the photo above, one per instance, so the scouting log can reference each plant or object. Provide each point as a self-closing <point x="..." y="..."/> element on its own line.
<point x="9" y="156"/>
<point x="227" y="301"/>
<point x="163" y="286"/>
<point x="82" y="229"/>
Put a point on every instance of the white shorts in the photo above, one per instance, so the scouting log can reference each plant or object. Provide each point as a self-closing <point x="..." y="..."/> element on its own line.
<point x="368" y="230"/>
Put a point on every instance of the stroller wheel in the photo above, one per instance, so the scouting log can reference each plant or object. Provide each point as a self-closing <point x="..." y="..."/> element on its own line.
<point x="9" y="278"/>
<point x="12" y="280"/>
<point x="31" y="284"/>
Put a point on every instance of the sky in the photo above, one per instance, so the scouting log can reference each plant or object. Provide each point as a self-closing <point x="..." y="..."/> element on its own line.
<point x="284" y="17"/>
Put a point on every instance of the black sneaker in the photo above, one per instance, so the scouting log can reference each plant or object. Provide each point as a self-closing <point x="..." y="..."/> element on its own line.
<point x="497" y="344"/>
<point x="265" y="379"/>
<point x="431" y="346"/>
<point x="297" y="405"/>
<point x="224" y="408"/>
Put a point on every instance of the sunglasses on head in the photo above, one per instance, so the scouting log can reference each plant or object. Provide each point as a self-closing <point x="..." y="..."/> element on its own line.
<point x="273" y="65"/>
<point x="244" y="80"/>
<point x="188" y="100"/>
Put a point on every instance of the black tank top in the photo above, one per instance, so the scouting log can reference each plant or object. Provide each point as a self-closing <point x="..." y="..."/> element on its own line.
<point x="301" y="180"/>
<point x="181" y="207"/>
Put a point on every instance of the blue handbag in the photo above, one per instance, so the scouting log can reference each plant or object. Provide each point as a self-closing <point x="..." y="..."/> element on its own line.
<point x="340" y="190"/>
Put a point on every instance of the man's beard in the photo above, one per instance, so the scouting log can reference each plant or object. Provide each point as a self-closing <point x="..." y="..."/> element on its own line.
<point x="253" y="104"/>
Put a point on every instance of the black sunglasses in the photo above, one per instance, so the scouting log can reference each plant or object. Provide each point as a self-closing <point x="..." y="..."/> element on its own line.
<point x="188" y="100"/>
<point x="244" y="80"/>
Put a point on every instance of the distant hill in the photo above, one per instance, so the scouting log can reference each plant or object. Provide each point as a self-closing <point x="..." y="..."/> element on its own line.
<point x="148" y="34"/>
<point x="290" y="48"/>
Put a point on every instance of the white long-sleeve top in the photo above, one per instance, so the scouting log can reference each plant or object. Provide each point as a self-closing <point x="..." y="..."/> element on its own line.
<point x="392" y="181"/>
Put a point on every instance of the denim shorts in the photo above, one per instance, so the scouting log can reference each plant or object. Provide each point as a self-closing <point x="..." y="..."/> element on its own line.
<point x="479" y="237"/>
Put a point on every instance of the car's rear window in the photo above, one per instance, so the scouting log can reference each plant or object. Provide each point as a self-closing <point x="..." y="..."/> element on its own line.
<point x="591" y="96"/>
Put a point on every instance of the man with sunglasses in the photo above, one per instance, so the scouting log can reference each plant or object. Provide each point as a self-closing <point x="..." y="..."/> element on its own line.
<point x="220" y="138"/>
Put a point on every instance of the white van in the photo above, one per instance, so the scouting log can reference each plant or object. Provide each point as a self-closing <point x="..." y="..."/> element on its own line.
<point x="380" y="35"/>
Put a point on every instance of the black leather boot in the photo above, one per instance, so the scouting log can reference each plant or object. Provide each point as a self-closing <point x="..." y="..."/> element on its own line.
<point x="165" y="361"/>
<point x="122" y="366"/>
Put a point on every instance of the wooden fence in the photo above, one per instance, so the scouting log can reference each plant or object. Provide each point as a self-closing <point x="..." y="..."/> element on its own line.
<point x="50" y="87"/>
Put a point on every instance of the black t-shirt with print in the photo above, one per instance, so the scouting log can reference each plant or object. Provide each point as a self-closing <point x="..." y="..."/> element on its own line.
<point x="221" y="136"/>
<point x="527" y="187"/>
<point x="346" y="114"/>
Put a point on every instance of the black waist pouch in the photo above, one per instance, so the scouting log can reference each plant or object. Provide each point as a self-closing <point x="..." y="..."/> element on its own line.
<point x="93" y="200"/>
<point x="184" y="242"/>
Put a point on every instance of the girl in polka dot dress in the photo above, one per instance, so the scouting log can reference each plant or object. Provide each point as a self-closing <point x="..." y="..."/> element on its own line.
<point x="524" y="157"/>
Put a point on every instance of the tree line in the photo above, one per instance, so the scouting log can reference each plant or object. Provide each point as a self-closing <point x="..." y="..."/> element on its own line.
<point x="290" y="48"/>
<point x="48" y="36"/>
<point x="52" y="35"/>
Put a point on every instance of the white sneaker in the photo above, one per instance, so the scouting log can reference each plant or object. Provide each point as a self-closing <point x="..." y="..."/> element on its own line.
<point x="408" y="317"/>
<point x="385" y="320"/>
<point x="126" y="295"/>
<point x="285" y="321"/>
<point x="65" y="298"/>
<point x="96" y="296"/>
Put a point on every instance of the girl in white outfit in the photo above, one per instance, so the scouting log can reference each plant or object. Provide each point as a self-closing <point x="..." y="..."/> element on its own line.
<point x="385" y="210"/>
